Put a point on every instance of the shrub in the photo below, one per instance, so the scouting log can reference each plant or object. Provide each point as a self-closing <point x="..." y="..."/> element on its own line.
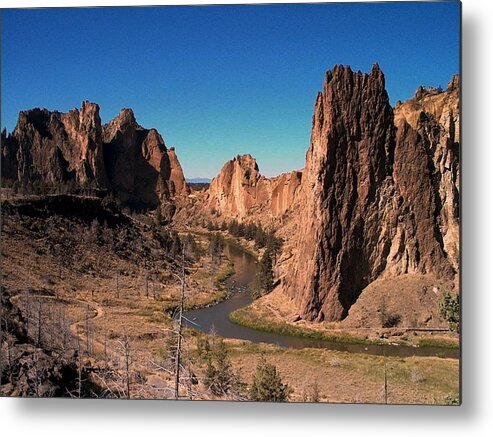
<point x="219" y="376"/>
<point x="449" y="310"/>
<point x="388" y="319"/>
<point x="267" y="384"/>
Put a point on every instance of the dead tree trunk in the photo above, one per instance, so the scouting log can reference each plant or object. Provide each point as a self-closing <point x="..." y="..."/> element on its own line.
<point x="28" y="309"/>
<point x="180" y="326"/>
<point x="79" y="370"/>
<point x="38" y="340"/>
<point x="385" y="389"/>
<point x="88" y="350"/>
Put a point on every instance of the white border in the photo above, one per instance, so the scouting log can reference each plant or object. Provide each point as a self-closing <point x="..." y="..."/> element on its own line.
<point x="152" y="418"/>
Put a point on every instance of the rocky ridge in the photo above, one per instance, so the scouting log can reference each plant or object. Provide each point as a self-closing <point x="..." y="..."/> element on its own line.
<point x="380" y="200"/>
<point x="240" y="192"/>
<point x="122" y="157"/>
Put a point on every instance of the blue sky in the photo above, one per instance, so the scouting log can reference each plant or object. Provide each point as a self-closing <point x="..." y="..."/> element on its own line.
<point x="217" y="81"/>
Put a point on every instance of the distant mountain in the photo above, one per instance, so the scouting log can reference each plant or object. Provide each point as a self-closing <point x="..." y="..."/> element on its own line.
<point x="198" y="181"/>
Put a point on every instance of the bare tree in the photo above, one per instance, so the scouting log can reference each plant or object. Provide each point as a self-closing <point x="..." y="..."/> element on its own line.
<point x="27" y="305"/>
<point x="88" y="350"/>
<point x="385" y="383"/>
<point x="79" y="369"/>
<point x="40" y="323"/>
<point x="146" y="281"/>
<point x="126" y="350"/>
<point x="8" y="342"/>
<point x="180" y="326"/>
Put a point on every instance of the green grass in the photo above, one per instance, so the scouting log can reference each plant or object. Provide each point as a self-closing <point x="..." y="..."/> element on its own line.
<point x="438" y="342"/>
<point x="245" y="317"/>
<point x="223" y="276"/>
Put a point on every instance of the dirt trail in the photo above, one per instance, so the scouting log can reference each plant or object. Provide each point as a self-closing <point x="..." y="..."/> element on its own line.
<point x="97" y="310"/>
<point x="97" y="313"/>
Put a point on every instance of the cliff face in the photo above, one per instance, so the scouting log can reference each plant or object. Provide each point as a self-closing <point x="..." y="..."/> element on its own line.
<point x="284" y="191"/>
<point x="141" y="170"/>
<point x="240" y="192"/>
<point x="432" y="120"/>
<point x="237" y="188"/>
<point x="378" y="200"/>
<point x="121" y="156"/>
<point x="54" y="147"/>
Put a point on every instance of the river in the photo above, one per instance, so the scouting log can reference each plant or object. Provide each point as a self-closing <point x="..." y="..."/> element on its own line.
<point x="216" y="318"/>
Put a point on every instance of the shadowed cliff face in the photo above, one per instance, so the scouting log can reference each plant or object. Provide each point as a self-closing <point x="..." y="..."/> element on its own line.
<point x="379" y="201"/>
<point x="121" y="156"/>
<point x="141" y="169"/>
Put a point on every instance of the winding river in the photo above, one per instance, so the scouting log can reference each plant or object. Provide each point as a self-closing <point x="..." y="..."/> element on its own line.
<point x="216" y="317"/>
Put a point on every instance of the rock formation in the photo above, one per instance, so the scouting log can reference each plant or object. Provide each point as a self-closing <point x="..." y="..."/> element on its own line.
<point x="434" y="117"/>
<point x="378" y="200"/>
<point x="284" y="191"/>
<point x="238" y="188"/>
<point x="131" y="162"/>
<point x="54" y="147"/>
<point x="141" y="170"/>
<point x="240" y="192"/>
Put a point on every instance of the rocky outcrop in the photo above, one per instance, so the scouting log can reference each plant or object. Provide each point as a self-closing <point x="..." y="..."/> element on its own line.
<point x="284" y="191"/>
<point x="238" y="188"/>
<point x="428" y="137"/>
<point x="240" y="192"/>
<point x="131" y="162"/>
<point x="378" y="201"/>
<point x="55" y="147"/>
<point x="141" y="170"/>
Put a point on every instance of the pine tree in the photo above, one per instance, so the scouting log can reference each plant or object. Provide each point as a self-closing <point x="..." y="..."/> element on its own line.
<point x="219" y="375"/>
<point x="449" y="308"/>
<point x="266" y="273"/>
<point x="273" y="244"/>
<point x="260" y="237"/>
<point x="216" y="246"/>
<point x="267" y="384"/>
<point x="175" y="244"/>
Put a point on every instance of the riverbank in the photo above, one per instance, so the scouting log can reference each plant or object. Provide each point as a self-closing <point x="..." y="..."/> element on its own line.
<point x="240" y="243"/>
<point x="250" y="318"/>
<point x="275" y="314"/>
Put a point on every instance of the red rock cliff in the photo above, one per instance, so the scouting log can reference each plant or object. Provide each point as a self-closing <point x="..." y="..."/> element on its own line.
<point x="122" y="156"/>
<point x="240" y="192"/>
<point x="377" y="200"/>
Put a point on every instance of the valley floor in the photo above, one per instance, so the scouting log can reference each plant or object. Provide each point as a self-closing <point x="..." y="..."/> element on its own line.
<point x="101" y="298"/>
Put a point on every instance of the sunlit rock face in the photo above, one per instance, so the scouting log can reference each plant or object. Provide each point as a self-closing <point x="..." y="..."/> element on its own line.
<point x="240" y="192"/>
<point x="379" y="199"/>
<point x="123" y="157"/>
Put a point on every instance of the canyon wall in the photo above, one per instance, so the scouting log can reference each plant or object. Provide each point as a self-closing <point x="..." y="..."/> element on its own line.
<point x="379" y="199"/>
<point x="122" y="157"/>
<point x="240" y="192"/>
